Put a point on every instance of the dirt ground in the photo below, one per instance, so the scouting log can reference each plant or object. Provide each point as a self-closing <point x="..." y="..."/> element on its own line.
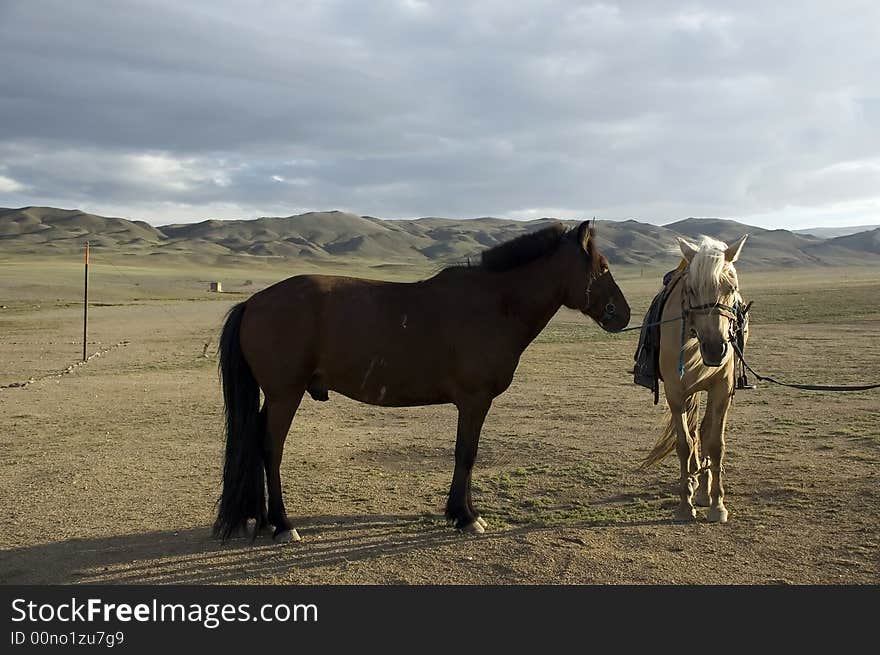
<point x="109" y="473"/>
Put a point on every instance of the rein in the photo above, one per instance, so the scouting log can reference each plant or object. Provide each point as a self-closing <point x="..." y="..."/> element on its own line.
<point x="644" y="325"/>
<point x="804" y="387"/>
<point x="655" y="323"/>
<point x="738" y="315"/>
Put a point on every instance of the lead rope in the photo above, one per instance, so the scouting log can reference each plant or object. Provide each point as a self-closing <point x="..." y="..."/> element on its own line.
<point x="804" y="387"/>
<point x="644" y="325"/>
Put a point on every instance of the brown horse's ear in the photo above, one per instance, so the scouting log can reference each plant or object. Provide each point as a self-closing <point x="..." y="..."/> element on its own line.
<point x="732" y="253"/>
<point x="688" y="250"/>
<point x="585" y="232"/>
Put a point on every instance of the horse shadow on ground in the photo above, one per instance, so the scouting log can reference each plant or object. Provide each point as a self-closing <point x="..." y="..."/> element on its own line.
<point x="193" y="556"/>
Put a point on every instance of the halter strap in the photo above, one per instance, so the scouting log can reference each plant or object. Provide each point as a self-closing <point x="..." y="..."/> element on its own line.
<point x="708" y="308"/>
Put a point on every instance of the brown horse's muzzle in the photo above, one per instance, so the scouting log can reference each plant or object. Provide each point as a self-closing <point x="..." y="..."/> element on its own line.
<point x="606" y="303"/>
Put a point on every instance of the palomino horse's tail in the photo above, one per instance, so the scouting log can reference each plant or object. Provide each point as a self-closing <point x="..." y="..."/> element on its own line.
<point x="244" y="493"/>
<point x="666" y="443"/>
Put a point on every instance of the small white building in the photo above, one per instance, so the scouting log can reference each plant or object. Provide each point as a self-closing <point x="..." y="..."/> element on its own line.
<point x="216" y="287"/>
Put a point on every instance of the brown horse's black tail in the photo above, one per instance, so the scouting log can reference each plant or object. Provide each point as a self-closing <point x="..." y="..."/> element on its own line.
<point x="244" y="491"/>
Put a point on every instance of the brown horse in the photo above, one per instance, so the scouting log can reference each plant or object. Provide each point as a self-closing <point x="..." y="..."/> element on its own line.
<point x="454" y="338"/>
<point x="695" y="356"/>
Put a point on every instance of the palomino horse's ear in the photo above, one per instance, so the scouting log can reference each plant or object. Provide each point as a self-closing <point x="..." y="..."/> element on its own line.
<point x="732" y="253"/>
<point x="585" y="231"/>
<point x="688" y="250"/>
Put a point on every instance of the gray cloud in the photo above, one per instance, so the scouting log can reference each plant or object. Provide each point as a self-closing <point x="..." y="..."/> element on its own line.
<point x="181" y="111"/>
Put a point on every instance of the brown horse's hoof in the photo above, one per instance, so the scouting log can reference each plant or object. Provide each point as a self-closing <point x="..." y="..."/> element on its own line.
<point x="240" y="532"/>
<point x="717" y="514"/>
<point x="474" y="528"/>
<point x="286" y="536"/>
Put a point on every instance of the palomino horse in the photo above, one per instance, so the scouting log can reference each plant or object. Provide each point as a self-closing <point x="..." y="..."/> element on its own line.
<point x="696" y="355"/>
<point x="454" y="338"/>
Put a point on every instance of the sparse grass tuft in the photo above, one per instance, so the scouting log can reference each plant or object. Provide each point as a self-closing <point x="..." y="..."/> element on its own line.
<point x="545" y="495"/>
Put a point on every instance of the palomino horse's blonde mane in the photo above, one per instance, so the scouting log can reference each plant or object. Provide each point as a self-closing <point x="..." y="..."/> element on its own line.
<point x="709" y="270"/>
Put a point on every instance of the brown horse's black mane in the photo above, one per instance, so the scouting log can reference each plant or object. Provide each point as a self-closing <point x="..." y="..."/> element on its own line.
<point x="523" y="249"/>
<point x="516" y="252"/>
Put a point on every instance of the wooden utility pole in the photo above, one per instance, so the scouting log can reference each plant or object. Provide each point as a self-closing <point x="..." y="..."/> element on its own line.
<point x="86" y="303"/>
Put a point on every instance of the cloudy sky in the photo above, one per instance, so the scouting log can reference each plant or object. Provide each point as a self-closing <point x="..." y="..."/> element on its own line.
<point x="169" y="111"/>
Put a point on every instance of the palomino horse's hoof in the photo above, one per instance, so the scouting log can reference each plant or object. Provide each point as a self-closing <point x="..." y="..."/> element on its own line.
<point x="685" y="516"/>
<point x="717" y="515"/>
<point x="474" y="528"/>
<point x="482" y="522"/>
<point x="286" y="536"/>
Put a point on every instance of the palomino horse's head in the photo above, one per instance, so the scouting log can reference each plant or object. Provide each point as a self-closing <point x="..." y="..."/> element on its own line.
<point x="711" y="295"/>
<point x="592" y="288"/>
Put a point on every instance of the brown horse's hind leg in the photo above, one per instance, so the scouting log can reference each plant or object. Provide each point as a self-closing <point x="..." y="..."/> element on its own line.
<point x="279" y="416"/>
<point x="459" y="509"/>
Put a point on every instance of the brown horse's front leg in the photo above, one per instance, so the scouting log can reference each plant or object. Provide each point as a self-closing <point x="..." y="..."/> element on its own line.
<point x="459" y="509"/>
<point x="470" y="503"/>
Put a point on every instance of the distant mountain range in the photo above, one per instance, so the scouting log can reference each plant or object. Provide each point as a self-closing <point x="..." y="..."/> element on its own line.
<point x="334" y="234"/>
<point x="831" y="232"/>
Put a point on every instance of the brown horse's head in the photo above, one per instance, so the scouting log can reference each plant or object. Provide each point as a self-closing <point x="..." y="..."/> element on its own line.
<point x="591" y="287"/>
<point x="711" y="295"/>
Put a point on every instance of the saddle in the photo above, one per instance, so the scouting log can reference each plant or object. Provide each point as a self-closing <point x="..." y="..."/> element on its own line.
<point x="646" y="371"/>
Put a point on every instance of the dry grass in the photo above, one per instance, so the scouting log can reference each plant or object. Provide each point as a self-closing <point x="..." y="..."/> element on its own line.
<point x="109" y="473"/>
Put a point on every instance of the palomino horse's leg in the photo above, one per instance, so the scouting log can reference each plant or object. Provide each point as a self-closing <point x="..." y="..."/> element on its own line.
<point x="719" y="403"/>
<point x="688" y="455"/>
<point x="704" y="480"/>
<point x="279" y="416"/>
<point x="459" y="510"/>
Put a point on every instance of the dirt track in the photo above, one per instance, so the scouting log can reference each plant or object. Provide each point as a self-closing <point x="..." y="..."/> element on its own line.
<point x="109" y="473"/>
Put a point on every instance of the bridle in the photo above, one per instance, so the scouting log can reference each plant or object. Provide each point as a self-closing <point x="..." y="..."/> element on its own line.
<point x="610" y="309"/>
<point x="709" y="308"/>
<point x="737" y="315"/>
<point x="732" y="312"/>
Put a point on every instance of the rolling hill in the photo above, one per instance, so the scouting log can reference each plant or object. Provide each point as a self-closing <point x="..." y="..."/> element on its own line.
<point x="330" y="235"/>
<point x="46" y="228"/>
<point x="865" y="242"/>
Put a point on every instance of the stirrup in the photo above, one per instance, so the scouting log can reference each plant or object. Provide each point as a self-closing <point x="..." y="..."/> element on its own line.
<point x="742" y="382"/>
